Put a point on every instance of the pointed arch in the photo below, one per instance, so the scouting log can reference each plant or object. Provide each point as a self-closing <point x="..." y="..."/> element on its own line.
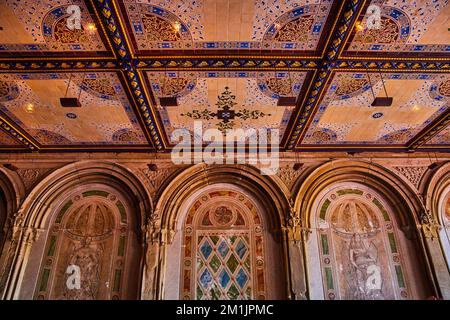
<point x="437" y="192"/>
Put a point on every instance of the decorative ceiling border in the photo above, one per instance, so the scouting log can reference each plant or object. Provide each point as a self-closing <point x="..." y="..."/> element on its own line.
<point x="36" y="65"/>
<point x="240" y="63"/>
<point x="15" y="133"/>
<point x="384" y="65"/>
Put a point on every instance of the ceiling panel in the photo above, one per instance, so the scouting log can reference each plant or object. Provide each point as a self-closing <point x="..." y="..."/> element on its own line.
<point x="442" y="138"/>
<point x="36" y="26"/>
<point x="407" y="25"/>
<point x="255" y="94"/>
<point x="32" y="102"/>
<point x="226" y="24"/>
<point x="345" y="115"/>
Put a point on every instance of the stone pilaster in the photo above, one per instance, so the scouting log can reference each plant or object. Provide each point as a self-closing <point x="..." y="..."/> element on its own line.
<point x="430" y="231"/>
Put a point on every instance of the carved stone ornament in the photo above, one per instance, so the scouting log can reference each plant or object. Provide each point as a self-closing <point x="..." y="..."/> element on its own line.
<point x="31" y="176"/>
<point x="155" y="178"/>
<point x="288" y="175"/>
<point x="413" y="174"/>
<point x="429" y="226"/>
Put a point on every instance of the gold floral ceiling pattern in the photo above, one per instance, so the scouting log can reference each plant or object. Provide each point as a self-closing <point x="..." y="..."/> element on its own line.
<point x="128" y="56"/>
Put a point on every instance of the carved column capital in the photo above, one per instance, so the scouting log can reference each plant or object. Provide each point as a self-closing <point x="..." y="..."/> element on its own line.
<point x="429" y="226"/>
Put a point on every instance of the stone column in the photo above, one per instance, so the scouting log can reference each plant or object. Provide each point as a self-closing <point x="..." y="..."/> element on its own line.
<point x="296" y="258"/>
<point x="15" y="262"/>
<point x="430" y="232"/>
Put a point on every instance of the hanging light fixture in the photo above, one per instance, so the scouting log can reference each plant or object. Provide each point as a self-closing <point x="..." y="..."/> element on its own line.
<point x="381" y="101"/>
<point x="71" y="102"/>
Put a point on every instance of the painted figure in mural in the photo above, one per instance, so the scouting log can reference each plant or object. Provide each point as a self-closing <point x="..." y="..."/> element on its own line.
<point x="87" y="257"/>
<point x="364" y="273"/>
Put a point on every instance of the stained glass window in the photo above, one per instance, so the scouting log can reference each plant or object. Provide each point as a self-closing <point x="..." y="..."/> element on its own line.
<point x="224" y="267"/>
<point x="223" y="249"/>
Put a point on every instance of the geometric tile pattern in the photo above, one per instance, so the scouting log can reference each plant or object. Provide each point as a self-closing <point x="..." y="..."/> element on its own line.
<point x="249" y="44"/>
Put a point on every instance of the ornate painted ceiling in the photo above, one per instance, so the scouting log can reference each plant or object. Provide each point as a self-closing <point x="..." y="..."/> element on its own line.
<point x="128" y="56"/>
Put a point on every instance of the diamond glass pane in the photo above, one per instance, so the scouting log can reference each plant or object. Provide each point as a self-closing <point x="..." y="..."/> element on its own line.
<point x="224" y="278"/>
<point x="206" y="249"/>
<point x="241" y="249"/>
<point x="232" y="263"/>
<point x="223" y="249"/>
<point x="241" y="278"/>
<point x="215" y="263"/>
<point x="206" y="279"/>
<point x="224" y="267"/>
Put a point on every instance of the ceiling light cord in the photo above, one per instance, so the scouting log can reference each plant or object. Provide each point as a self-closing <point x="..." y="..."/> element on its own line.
<point x="370" y="83"/>
<point x="382" y="81"/>
<point x="81" y="85"/>
<point x="68" y="85"/>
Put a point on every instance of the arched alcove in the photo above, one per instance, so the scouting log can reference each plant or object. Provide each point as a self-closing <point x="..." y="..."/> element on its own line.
<point x="362" y="242"/>
<point x="11" y="194"/>
<point x="437" y="190"/>
<point x="225" y="224"/>
<point x="88" y="215"/>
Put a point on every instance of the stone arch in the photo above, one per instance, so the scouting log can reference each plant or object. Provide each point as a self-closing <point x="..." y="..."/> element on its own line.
<point x="437" y="198"/>
<point x="394" y="200"/>
<point x="12" y="192"/>
<point x="400" y="195"/>
<point x="37" y="216"/>
<point x="178" y="197"/>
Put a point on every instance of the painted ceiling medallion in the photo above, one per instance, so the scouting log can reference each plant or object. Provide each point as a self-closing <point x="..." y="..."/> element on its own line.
<point x="156" y="27"/>
<point x="350" y="86"/>
<point x="444" y="88"/>
<point x="389" y="33"/>
<point x="298" y="27"/>
<point x="296" y="31"/>
<point x="175" y="86"/>
<point x="280" y="86"/>
<point x="71" y="115"/>
<point x="58" y="36"/>
<point x="377" y="115"/>
<point x="8" y="91"/>
<point x="225" y="112"/>
<point x="100" y="87"/>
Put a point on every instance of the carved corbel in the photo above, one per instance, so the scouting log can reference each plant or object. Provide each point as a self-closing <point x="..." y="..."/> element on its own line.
<point x="429" y="226"/>
<point x="295" y="232"/>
